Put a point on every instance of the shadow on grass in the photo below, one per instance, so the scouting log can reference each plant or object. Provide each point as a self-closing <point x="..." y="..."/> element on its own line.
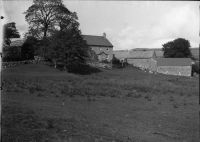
<point x="83" y="69"/>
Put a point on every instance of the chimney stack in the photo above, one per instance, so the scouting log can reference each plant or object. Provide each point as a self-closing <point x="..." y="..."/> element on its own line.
<point x="104" y="35"/>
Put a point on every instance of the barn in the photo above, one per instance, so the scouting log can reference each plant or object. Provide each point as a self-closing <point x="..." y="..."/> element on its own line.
<point x="100" y="45"/>
<point x="173" y="66"/>
<point x="141" y="59"/>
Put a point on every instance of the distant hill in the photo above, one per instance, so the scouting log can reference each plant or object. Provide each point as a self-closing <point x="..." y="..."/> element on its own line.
<point x="159" y="52"/>
<point x="195" y="52"/>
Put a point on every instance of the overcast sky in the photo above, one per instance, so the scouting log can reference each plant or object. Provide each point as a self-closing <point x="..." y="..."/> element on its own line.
<point x="128" y="24"/>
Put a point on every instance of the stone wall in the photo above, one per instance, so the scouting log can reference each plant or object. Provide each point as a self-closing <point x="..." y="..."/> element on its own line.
<point x="100" y="65"/>
<point x="13" y="64"/>
<point x="5" y="65"/>
<point x="175" y="70"/>
<point x="141" y="63"/>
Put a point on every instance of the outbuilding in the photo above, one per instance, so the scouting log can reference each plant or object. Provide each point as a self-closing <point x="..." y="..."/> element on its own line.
<point x="173" y="66"/>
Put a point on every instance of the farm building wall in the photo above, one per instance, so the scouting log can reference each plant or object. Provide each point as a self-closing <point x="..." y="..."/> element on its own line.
<point x="107" y="50"/>
<point x="141" y="63"/>
<point x="175" y="70"/>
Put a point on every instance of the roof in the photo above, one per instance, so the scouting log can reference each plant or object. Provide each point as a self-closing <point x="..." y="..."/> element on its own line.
<point x="97" y="41"/>
<point x="173" y="61"/>
<point x="121" y="54"/>
<point x="17" y="41"/>
<point x="139" y="54"/>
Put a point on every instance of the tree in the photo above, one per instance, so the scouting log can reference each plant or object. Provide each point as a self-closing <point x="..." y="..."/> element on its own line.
<point x="68" y="48"/>
<point x="28" y="48"/>
<point x="44" y="16"/>
<point x="178" y="48"/>
<point x="10" y="31"/>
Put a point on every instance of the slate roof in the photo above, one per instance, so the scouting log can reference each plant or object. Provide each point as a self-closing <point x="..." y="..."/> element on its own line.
<point x="97" y="41"/>
<point x="173" y="61"/>
<point x="17" y="41"/>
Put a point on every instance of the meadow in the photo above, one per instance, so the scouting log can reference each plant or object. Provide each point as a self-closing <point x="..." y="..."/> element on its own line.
<point x="40" y="103"/>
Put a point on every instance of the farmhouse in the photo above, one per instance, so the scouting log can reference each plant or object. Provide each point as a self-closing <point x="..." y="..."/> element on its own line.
<point x="172" y="66"/>
<point x="101" y="46"/>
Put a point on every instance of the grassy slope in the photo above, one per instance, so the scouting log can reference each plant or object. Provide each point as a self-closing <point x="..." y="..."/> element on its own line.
<point x="119" y="104"/>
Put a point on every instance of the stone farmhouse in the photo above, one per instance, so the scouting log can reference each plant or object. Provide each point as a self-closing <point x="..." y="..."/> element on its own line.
<point x="101" y="46"/>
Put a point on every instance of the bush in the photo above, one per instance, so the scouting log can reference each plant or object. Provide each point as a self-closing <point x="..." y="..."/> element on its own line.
<point x="11" y="54"/>
<point x="82" y="69"/>
<point x="105" y="61"/>
<point x="115" y="61"/>
<point x="195" y="67"/>
<point x="28" y="48"/>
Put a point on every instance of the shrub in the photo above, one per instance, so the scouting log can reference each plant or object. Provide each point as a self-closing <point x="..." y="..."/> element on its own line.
<point x="82" y="69"/>
<point x="28" y="48"/>
<point x="195" y="67"/>
<point x="11" y="54"/>
<point x="105" y="61"/>
<point x="115" y="61"/>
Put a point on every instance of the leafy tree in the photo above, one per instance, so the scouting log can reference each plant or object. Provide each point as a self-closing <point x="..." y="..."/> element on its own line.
<point x="28" y="48"/>
<point x="10" y="31"/>
<point x="178" y="48"/>
<point x="68" y="48"/>
<point x="44" y="16"/>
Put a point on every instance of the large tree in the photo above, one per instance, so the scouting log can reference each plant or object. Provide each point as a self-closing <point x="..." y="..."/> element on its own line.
<point x="44" y="16"/>
<point x="67" y="48"/>
<point x="10" y="31"/>
<point x="29" y="48"/>
<point x="178" y="48"/>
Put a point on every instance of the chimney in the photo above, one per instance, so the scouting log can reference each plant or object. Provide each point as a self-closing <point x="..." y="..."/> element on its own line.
<point x="104" y="35"/>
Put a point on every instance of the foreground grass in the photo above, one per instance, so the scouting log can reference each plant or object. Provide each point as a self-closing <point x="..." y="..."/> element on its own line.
<point x="112" y="105"/>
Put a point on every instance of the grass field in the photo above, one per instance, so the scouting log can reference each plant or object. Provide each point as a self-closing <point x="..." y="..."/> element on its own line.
<point x="40" y="103"/>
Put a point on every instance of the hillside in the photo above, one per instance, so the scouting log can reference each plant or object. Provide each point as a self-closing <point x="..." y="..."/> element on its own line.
<point x="40" y="103"/>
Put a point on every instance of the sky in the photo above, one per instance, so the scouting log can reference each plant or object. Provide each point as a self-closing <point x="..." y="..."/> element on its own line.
<point x="127" y="24"/>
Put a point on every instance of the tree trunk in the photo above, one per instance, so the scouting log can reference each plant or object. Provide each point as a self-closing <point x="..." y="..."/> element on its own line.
<point x="45" y="33"/>
<point x="55" y="65"/>
<point x="45" y="30"/>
